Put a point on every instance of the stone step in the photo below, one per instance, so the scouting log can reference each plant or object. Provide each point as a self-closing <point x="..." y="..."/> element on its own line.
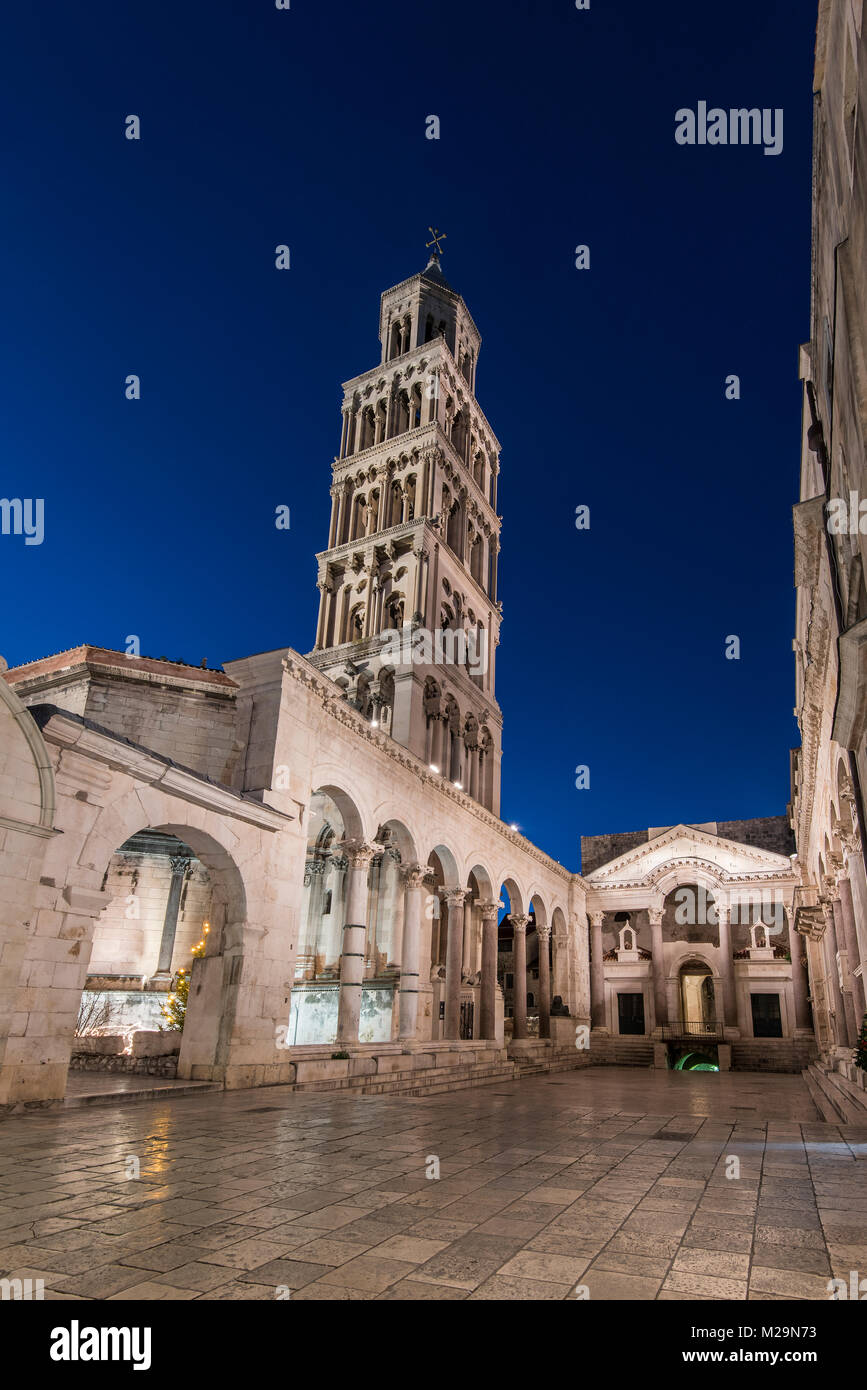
<point x="399" y="1082"/>
<point x="825" y="1107"/>
<point x="457" y="1080"/>
<point x="155" y="1092"/>
<point x="848" y="1101"/>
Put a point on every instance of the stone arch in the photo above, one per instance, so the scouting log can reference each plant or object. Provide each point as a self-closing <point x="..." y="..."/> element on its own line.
<point x="448" y="864"/>
<point x="26" y="732"/>
<point x="698" y="1002"/>
<point x="345" y="797"/>
<point x="513" y="893"/>
<point x="444" y="874"/>
<point x="561" y="985"/>
<point x="28" y="810"/>
<point x="484" y="880"/>
<point x="239" y="915"/>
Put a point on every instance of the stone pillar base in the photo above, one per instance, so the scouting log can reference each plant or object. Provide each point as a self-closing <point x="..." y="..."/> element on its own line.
<point x="528" y="1047"/>
<point x="724" y="1056"/>
<point x="563" y="1031"/>
<point x="660" y="1055"/>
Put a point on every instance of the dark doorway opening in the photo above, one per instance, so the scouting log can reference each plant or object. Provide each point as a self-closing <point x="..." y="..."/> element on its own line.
<point x="630" y="1013"/>
<point x="767" y="1022"/>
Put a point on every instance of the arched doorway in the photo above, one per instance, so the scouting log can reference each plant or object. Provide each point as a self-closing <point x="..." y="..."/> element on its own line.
<point x="160" y="909"/>
<point x="697" y="998"/>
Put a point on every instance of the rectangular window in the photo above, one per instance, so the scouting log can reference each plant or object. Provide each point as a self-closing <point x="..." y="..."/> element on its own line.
<point x="510" y="982"/>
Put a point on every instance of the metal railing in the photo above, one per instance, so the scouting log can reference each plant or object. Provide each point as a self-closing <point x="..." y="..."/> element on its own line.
<point x="684" y="1028"/>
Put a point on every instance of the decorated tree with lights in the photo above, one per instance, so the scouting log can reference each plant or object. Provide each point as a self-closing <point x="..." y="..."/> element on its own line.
<point x="860" y="1054"/>
<point x="174" y="1010"/>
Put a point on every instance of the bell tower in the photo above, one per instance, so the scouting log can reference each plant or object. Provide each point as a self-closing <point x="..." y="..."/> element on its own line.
<point x="409" y="619"/>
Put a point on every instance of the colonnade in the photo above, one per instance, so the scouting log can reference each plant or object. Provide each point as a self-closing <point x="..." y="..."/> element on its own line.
<point x="462" y="956"/>
<point x="840" y="957"/>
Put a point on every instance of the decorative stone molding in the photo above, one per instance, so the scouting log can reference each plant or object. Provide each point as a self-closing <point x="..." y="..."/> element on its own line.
<point x="114" y="751"/>
<point x="358" y="853"/>
<point x="414" y="875"/>
<point x="454" y="897"/>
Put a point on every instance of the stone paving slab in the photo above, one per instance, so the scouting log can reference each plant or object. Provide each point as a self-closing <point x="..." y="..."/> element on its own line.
<point x="606" y="1182"/>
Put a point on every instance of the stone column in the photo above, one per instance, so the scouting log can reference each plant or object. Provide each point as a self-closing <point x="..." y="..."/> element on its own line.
<point x="359" y="856"/>
<point x="488" y="999"/>
<point x="800" y="981"/>
<point x="454" y="900"/>
<point x="324" y="590"/>
<point x="436" y="742"/>
<point x="544" y="934"/>
<point x="597" y="972"/>
<point x="660" y="997"/>
<point x="180" y="863"/>
<point x="833" y="992"/>
<point x="727" y="968"/>
<point x="413" y="877"/>
<point x="850" y="936"/>
<point x="848" y="1002"/>
<point x="519" y="925"/>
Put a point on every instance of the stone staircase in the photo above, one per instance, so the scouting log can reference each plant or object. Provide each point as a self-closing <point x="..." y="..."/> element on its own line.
<point x="838" y="1100"/>
<point x="615" y="1051"/>
<point x="450" y="1072"/>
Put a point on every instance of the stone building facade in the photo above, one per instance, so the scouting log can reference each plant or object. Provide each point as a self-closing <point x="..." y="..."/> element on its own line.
<point x="829" y="769"/>
<point x="328" y="825"/>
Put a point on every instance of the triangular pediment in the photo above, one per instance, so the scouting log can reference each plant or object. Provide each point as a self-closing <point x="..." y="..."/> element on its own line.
<point x="678" y="847"/>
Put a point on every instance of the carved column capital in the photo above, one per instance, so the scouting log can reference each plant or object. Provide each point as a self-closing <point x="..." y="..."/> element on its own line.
<point x="453" y="897"/>
<point x="519" y="921"/>
<point x="358" y="853"/>
<point x="414" y="875"/>
<point x="544" y="931"/>
<point x="488" y="910"/>
<point x="596" y="918"/>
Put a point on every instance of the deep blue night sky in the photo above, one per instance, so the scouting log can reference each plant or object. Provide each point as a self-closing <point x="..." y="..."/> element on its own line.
<point x="605" y="387"/>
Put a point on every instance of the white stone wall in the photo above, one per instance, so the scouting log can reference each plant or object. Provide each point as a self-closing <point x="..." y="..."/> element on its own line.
<point x="129" y="930"/>
<point x="26" y="811"/>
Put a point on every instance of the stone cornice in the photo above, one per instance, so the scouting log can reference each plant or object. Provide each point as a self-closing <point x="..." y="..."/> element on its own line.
<point x="91" y="741"/>
<point x="661" y="871"/>
<point x="421" y="528"/>
<point x="80" y="663"/>
<point x="774" y="863"/>
<point x="333" y="703"/>
<point x="437" y="349"/>
<point x="342" y="469"/>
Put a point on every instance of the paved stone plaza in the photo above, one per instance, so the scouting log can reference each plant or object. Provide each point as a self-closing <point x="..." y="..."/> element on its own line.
<point x="610" y="1178"/>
